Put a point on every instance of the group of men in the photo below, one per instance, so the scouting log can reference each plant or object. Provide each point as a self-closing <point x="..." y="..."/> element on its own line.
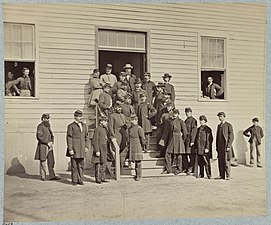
<point x="129" y="111"/>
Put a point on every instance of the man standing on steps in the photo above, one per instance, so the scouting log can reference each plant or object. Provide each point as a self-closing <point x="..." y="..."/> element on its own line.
<point x="224" y="139"/>
<point x="78" y="145"/>
<point x="108" y="77"/>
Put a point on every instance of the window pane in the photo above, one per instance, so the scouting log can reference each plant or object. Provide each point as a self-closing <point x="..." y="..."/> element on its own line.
<point x="102" y="39"/>
<point x="220" y="46"/>
<point x="121" y="39"/>
<point x="28" y="33"/>
<point x="8" y="52"/>
<point x="28" y="51"/>
<point x="220" y="61"/>
<point x="212" y="45"/>
<point x="17" y="33"/>
<point x="140" y="41"/>
<point x="17" y="50"/>
<point x="212" y="60"/>
<point x="131" y="41"/>
<point x="7" y="32"/>
<point x="204" y="45"/>
<point x="112" y="37"/>
<point x="204" y="60"/>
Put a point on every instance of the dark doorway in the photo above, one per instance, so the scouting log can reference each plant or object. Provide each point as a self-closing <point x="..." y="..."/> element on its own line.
<point x="119" y="59"/>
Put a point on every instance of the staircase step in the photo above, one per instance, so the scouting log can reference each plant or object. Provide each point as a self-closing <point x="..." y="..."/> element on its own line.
<point x="150" y="155"/>
<point x="146" y="173"/>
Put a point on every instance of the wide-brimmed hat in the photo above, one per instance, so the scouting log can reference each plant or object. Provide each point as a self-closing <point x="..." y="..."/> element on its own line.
<point x="109" y="65"/>
<point x="167" y="75"/>
<point x="128" y="66"/>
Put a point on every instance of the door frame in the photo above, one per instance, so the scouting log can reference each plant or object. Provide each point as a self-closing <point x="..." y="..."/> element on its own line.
<point x="147" y="31"/>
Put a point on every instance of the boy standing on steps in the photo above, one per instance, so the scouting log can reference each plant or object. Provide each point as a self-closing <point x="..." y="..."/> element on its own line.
<point x="136" y="142"/>
<point x="255" y="134"/>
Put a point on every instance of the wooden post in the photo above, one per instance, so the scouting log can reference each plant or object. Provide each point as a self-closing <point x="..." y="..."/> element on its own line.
<point x="117" y="158"/>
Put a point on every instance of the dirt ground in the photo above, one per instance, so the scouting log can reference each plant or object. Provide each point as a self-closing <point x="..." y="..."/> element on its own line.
<point x="29" y="199"/>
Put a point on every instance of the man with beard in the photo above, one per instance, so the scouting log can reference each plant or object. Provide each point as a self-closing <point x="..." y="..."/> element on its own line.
<point x="44" y="149"/>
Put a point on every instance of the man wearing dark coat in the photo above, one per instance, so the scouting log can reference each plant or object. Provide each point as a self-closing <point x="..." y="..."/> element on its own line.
<point x="100" y="144"/>
<point x="105" y="101"/>
<point x="130" y="78"/>
<point x="174" y="135"/>
<point x="213" y="90"/>
<point x="255" y="134"/>
<point x="224" y="139"/>
<point x="149" y="87"/>
<point x="169" y="87"/>
<point x="78" y="145"/>
<point x="136" y="142"/>
<point x="136" y="94"/>
<point x="191" y="125"/>
<point x="203" y="145"/>
<point x="44" y="149"/>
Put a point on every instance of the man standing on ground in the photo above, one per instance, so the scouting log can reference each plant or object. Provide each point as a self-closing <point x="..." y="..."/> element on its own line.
<point x="44" y="149"/>
<point x="78" y="145"/>
<point x="224" y="139"/>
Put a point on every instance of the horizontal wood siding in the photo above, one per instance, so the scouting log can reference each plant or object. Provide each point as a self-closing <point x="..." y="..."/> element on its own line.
<point x="66" y="55"/>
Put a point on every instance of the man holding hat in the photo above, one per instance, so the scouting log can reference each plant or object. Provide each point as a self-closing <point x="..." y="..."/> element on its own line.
<point x="44" y="149"/>
<point x="149" y="86"/>
<point x="169" y="87"/>
<point x="224" y="139"/>
<point x="78" y="145"/>
<point x="108" y="77"/>
<point x="100" y="144"/>
<point x="255" y="134"/>
<point x="130" y="78"/>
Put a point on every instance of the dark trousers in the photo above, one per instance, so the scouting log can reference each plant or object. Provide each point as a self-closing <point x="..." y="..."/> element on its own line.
<point x="224" y="163"/>
<point x="169" y="157"/>
<point x="254" y="146"/>
<point x="189" y="162"/>
<point x="50" y="163"/>
<point x="138" y="168"/>
<point x="77" y="165"/>
<point x="204" y="161"/>
<point x="123" y="156"/>
<point x="162" y="150"/>
<point x="100" y="171"/>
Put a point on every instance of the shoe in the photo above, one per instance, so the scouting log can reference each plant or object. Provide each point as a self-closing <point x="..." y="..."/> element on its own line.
<point x="259" y="166"/>
<point x="80" y="182"/>
<point x="42" y="179"/>
<point x="188" y="173"/>
<point x="165" y="172"/>
<point x="177" y="172"/>
<point x="218" y="178"/>
<point x="228" y="178"/>
<point x="208" y="177"/>
<point x="105" y="181"/>
<point x="98" y="182"/>
<point x="74" y="184"/>
<point x="137" y="179"/>
<point x="55" y="178"/>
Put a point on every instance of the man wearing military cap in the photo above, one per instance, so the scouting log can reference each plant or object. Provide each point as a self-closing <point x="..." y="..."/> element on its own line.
<point x="105" y="100"/>
<point x="224" y="139"/>
<point x="108" y="77"/>
<point x="136" y="94"/>
<point x="78" y="145"/>
<point x="149" y="86"/>
<point x="44" y="149"/>
<point x="169" y="87"/>
<point x="118" y="84"/>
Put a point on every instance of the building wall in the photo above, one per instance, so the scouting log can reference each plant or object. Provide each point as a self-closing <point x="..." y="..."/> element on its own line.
<point x="66" y="55"/>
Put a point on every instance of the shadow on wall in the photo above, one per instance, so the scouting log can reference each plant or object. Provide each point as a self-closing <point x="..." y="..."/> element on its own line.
<point x="241" y="145"/>
<point x="16" y="167"/>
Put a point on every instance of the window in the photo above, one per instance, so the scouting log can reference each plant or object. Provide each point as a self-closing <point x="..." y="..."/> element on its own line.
<point x="213" y="68"/>
<point x="19" y="57"/>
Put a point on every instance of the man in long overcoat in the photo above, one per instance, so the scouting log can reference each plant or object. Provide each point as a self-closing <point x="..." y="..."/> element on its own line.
<point x="78" y="145"/>
<point x="191" y="125"/>
<point x="149" y="87"/>
<point x="224" y="139"/>
<point x="174" y="135"/>
<point x="44" y="150"/>
<point x="169" y="87"/>
<point x="100" y="144"/>
<point x="130" y="78"/>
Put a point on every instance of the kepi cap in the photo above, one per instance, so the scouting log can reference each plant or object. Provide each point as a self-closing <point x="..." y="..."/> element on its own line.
<point x="188" y="109"/>
<point x="167" y="75"/>
<point x="109" y="65"/>
<point x="45" y="116"/>
<point x="78" y="113"/>
<point x="221" y="114"/>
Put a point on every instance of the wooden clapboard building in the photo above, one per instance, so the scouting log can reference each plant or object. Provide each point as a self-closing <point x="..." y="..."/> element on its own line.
<point x="63" y="43"/>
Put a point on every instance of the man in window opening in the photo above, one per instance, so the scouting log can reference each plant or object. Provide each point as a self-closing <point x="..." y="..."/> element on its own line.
<point x="213" y="90"/>
<point x="11" y="88"/>
<point x="130" y="78"/>
<point x="108" y="77"/>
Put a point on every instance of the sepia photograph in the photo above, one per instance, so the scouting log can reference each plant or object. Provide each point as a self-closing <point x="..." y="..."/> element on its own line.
<point x="134" y="111"/>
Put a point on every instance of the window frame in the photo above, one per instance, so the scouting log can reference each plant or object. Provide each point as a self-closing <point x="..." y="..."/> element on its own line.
<point x="226" y="88"/>
<point x="35" y="61"/>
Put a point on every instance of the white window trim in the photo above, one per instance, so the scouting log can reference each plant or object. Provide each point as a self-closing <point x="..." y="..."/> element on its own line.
<point x="226" y="58"/>
<point x="36" y="50"/>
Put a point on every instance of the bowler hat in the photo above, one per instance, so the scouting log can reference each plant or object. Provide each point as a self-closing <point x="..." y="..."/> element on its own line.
<point x="109" y="65"/>
<point x="167" y="75"/>
<point x="78" y="113"/>
<point x="221" y="114"/>
<point x="138" y="81"/>
<point x="45" y="116"/>
<point x="128" y="66"/>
